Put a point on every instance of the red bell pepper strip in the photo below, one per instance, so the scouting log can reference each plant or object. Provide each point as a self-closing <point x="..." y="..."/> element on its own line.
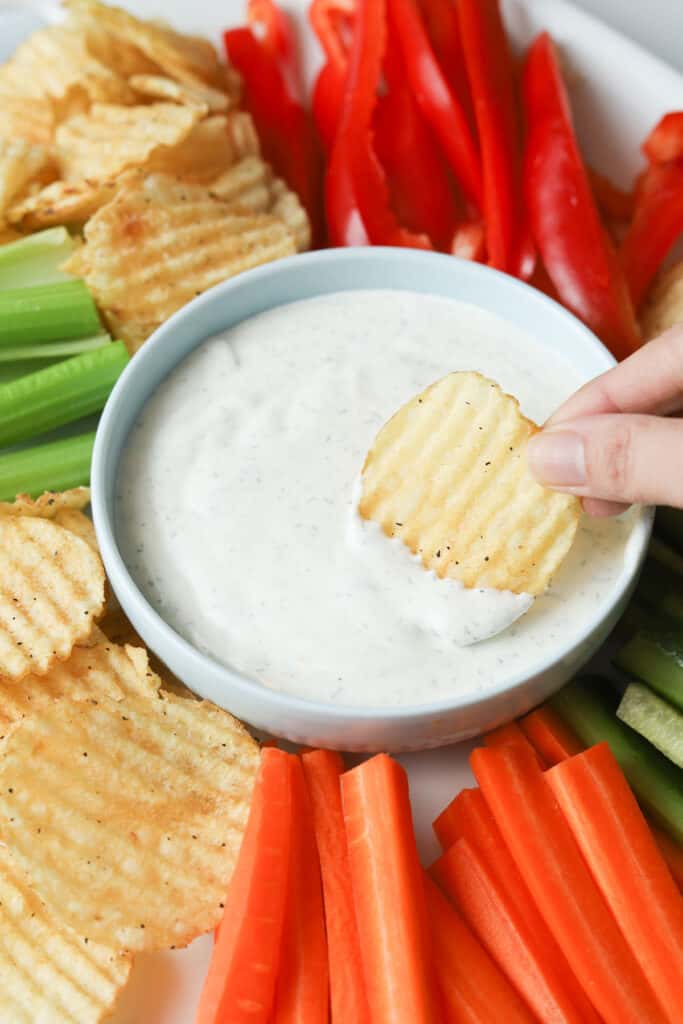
<point x="240" y="983"/>
<point x="356" y="192"/>
<point x="332" y="22"/>
<point x="493" y="87"/>
<point x="419" y="183"/>
<point x="284" y="127"/>
<point x="302" y="991"/>
<point x="469" y="241"/>
<point x="277" y="37"/>
<point x="388" y="891"/>
<point x="441" y="107"/>
<point x="613" y="202"/>
<point x="565" y="224"/>
<point x="562" y="885"/>
<point x="441" y="21"/>
<point x="657" y="225"/>
<point x="664" y="144"/>
<point x="348" y="1000"/>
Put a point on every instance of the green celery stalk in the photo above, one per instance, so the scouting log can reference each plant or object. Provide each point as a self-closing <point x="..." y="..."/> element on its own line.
<point x="61" y="311"/>
<point x="655" y="719"/>
<point x="59" y="394"/>
<point x="52" y="349"/>
<point x="656" y="657"/>
<point x="35" y="259"/>
<point x="55" y="466"/>
<point x="657" y="783"/>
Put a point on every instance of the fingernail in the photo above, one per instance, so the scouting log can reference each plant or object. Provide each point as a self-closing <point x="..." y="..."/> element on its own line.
<point x="557" y="458"/>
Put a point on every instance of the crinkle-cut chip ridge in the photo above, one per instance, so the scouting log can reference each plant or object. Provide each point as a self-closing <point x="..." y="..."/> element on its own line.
<point x="250" y="185"/>
<point x="141" y="806"/>
<point x="49" y="974"/>
<point x="51" y="593"/>
<point x="197" y="94"/>
<point x="75" y="521"/>
<point x="108" y="139"/>
<point x="47" y="504"/>
<point x="8" y="234"/>
<point x="103" y="670"/>
<point x="21" y="163"/>
<point x="21" y="117"/>
<point x="447" y="474"/>
<point x="210" y="147"/>
<point x="61" y="202"/>
<point x="160" y="243"/>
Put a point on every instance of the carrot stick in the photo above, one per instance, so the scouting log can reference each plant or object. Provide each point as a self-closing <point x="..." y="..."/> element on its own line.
<point x="302" y="991"/>
<point x="348" y="1000"/>
<point x="671" y="852"/>
<point x="550" y="737"/>
<point x="240" y="983"/>
<point x="388" y="892"/>
<point x="553" y="868"/>
<point x="473" y="989"/>
<point x="506" y="734"/>
<point x="538" y="971"/>
<point x="623" y="857"/>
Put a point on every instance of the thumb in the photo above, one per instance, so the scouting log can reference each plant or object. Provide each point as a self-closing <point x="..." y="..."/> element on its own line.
<point x="614" y="457"/>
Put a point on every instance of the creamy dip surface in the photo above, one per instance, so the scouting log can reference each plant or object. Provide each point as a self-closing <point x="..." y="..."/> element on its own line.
<point x="237" y="505"/>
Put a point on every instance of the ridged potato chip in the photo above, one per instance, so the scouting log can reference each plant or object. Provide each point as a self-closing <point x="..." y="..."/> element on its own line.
<point x="21" y="163"/>
<point x="102" y="143"/>
<point x="75" y="521"/>
<point x="664" y="306"/>
<point x="49" y="974"/>
<point x="160" y="243"/>
<point x="448" y="475"/>
<point x="8" y="234"/>
<point x="103" y="669"/>
<point x="61" y="202"/>
<point x="212" y="146"/>
<point x="51" y="592"/>
<point x="22" y="117"/>
<point x="48" y="504"/>
<point x="140" y="805"/>
<point x="250" y="185"/>
<point x="197" y="94"/>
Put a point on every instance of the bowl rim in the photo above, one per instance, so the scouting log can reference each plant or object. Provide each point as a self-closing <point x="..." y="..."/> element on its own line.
<point x="232" y="679"/>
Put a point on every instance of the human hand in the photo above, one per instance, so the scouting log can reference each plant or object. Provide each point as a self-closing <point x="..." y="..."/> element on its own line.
<point x="617" y="440"/>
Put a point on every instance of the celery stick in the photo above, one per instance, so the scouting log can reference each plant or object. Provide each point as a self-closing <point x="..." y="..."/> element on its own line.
<point x="61" y="311"/>
<point x="656" y="657"/>
<point x="55" y="466"/>
<point x="657" y="783"/>
<point x="35" y="259"/>
<point x="655" y="719"/>
<point x="59" y="394"/>
<point x="52" y="350"/>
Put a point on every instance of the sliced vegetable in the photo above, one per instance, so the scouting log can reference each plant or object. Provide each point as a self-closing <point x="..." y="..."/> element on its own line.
<point x="348" y="1000"/>
<point x="664" y="144"/>
<point x="60" y="311"/>
<point x="440" y="106"/>
<point x="656" y="782"/>
<point x="614" y="203"/>
<point x="623" y="858"/>
<point x="492" y="83"/>
<point x="302" y="990"/>
<point x="655" y="719"/>
<point x="276" y="35"/>
<point x="469" y="241"/>
<point x="656" y="226"/>
<point x="472" y="987"/>
<point x="441" y="21"/>
<point x="574" y="247"/>
<point x="51" y="350"/>
<point x="657" y="659"/>
<point x="59" y="394"/>
<point x="240" y="983"/>
<point x="55" y="466"/>
<point x="549" y="735"/>
<point x="672" y="852"/>
<point x="510" y="733"/>
<point x="332" y="22"/>
<point x="552" y="866"/>
<point x="35" y="259"/>
<point x="539" y="972"/>
<point x="388" y="891"/>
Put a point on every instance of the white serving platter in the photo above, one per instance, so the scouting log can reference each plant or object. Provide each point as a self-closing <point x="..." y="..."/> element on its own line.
<point x="618" y="92"/>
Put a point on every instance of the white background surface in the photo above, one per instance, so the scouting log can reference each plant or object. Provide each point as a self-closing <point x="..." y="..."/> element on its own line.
<point x="618" y="92"/>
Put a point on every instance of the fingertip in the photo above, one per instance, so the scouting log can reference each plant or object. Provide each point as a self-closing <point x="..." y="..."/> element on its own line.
<point x="596" y="508"/>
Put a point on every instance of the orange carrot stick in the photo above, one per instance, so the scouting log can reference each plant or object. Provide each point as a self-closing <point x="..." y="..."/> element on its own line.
<point x="509" y="734"/>
<point x="348" y="1000"/>
<point x="671" y="852"/>
<point x="550" y="737"/>
<point x="623" y="857"/>
<point x="302" y="991"/>
<point x="388" y="892"/>
<point x="240" y="983"/>
<point x="553" y="868"/>
<point x="537" y="969"/>
<point x="473" y="989"/>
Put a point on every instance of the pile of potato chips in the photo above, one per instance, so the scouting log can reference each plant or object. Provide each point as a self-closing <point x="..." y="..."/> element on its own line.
<point x="132" y="134"/>
<point x="122" y="804"/>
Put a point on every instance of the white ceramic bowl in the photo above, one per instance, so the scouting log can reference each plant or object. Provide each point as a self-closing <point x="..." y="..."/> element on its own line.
<point x="348" y="728"/>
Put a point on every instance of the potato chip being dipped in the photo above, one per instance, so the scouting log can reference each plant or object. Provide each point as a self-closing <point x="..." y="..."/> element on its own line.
<point x="447" y="475"/>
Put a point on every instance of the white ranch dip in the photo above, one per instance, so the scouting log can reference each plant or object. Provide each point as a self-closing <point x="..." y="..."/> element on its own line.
<point x="236" y="505"/>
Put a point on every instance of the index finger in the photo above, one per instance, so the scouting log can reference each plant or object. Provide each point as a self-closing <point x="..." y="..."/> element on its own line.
<point x="649" y="381"/>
